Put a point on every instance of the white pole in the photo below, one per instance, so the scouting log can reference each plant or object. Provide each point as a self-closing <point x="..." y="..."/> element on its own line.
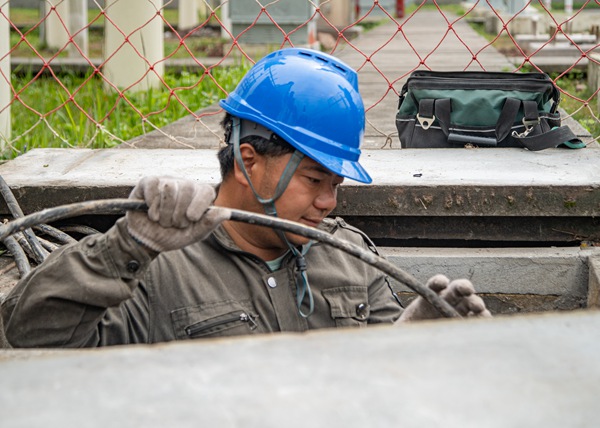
<point x="569" y="7"/>
<point x="5" y="92"/>
<point x="57" y="23"/>
<point x="202" y="8"/>
<point x="188" y="15"/>
<point x="77" y="27"/>
<point x="226" y="20"/>
<point x="128" y="62"/>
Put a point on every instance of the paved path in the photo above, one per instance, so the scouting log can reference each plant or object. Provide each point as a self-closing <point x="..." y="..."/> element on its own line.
<point x="425" y="42"/>
<point x="392" y="56"/>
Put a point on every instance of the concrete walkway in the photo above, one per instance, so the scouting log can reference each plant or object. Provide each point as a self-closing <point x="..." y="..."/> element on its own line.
<point x="384" y="56"/>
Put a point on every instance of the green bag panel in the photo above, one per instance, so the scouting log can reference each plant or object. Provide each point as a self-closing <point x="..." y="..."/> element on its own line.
<point x="473" y="107"/>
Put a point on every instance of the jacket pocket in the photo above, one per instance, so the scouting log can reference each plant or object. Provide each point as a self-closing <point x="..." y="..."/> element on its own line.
<point x="349" y="306"/>
<point x="214" y="320"/>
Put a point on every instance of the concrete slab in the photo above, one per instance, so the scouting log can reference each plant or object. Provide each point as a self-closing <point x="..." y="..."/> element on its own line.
<point x="544" y="271"/>
<point x="462" y="195"/>
<point x="537" y="371"/>
<point x="558" y="38"/>
<point x="433" y="182"/>
<point x="510" y="280"/>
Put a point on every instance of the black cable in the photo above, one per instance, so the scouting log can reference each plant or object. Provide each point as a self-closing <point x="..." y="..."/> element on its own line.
<point x="55" y="233"/>
<point x="18" y="254"/>
<point x="81" y="229"/>
<point x="38" y="252"/>
<point x="119" y="206"/>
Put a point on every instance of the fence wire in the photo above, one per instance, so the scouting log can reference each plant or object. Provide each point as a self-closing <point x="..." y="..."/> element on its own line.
<point x="61" y="83"/>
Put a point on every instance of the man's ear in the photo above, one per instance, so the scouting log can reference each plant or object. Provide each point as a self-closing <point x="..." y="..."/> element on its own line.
<point x="251" y="160"/>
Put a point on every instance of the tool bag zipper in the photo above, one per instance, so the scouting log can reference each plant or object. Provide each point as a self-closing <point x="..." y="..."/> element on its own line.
<point x="530" y="82"/>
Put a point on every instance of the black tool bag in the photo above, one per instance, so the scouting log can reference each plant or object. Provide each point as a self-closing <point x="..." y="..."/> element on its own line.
<point x="482" y="109"/>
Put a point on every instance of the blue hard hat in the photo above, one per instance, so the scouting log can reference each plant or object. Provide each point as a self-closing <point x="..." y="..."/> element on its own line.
<point x="311" y="100"/>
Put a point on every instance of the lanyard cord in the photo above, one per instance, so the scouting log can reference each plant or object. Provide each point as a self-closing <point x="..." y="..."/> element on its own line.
<point x="303" y="290"/>
<point x="302" y="285"/>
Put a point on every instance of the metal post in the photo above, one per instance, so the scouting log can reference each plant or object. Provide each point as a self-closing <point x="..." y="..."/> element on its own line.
<point x="5" y="91"/>
<point x="134" y="58"/>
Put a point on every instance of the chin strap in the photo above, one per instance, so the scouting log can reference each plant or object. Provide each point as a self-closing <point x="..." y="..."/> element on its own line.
<point x="303" y="290"/>
<point x="268" y="204"/>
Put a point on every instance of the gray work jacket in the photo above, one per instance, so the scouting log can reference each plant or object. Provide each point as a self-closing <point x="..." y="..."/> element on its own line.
<point x="106" y="290"/>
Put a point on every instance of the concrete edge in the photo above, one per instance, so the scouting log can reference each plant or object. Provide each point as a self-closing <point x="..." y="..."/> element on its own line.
<point x="593" y="297"/>
<point x="541" y="271"/>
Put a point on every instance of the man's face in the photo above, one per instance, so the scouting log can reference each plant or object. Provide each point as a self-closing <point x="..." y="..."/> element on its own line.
<point x="309" y="197"/>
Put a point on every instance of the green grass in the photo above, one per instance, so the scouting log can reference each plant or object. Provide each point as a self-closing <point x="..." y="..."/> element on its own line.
<point x="456" y="9"/>
<point x="76" y="122"/>
<point x="576" y="85"/>
<point x="22" y="16"/>
<point x="560" y="5"/>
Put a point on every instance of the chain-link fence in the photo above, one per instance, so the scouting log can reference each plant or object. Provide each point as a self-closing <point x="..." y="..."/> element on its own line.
<point x="79" y="73"/>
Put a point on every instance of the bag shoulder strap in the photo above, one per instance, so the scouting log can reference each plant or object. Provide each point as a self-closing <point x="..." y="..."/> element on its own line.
<point x="544" y="140"/>
<point x="553" y="138"/>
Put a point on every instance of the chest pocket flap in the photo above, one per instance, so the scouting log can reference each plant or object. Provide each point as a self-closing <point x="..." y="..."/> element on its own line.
<point x="349" y="305"/>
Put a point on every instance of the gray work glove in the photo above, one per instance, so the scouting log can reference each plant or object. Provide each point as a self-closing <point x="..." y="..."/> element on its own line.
<point x="176" y="213"/>
<point x="460" y="294"/>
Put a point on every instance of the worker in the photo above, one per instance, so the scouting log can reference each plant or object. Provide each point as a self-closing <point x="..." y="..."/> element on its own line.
<point x="293" y="130"/>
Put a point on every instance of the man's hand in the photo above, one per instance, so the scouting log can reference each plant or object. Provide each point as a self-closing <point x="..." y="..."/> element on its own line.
<point x="460" y="294"/>
<point x="177" y="213"/>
